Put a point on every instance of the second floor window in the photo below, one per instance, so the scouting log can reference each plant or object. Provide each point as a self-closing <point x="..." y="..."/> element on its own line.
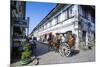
<point x="70" y="12"/>
<point x="50" y="23"/>
<point x="56" y="20"/>
<point x="62" y="16"/>
<point x="66" y="16"/>
<point x="53" y="22"/>
<point x="45" y="25"/>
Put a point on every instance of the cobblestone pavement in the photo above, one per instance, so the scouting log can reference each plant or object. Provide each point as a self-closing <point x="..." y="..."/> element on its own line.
<point x="51" y="57"/>
<point x="55" y="58"/>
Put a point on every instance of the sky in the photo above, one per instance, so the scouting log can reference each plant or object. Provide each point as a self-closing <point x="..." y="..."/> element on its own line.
<point x="36" y="11"/>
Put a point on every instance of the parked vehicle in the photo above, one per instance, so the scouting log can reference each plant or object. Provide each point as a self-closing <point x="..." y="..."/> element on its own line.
<point x="34" y="38"/>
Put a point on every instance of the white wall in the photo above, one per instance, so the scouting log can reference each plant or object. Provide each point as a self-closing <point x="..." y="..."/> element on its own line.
<point x="68" y="25"/>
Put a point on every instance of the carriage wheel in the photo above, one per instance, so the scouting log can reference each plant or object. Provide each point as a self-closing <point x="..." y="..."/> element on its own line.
<point x="65" y="50"/>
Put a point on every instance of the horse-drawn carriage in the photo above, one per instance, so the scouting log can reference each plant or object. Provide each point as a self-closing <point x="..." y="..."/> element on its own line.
<point x="62" y="42"/>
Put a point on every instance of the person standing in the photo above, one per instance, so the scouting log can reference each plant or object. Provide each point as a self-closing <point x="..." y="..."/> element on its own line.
<point x="31" y="44"/>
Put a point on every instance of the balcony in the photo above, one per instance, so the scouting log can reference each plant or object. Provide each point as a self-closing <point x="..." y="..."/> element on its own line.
<point x="86" y="24"/>
<point x="19" y="38"/>
<point x="19" y="22"/>
<point x="84" y="19"/>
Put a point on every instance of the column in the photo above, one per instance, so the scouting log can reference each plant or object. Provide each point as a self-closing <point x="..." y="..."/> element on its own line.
<point x="86" y="38"/>
<point x="77" y="39"/>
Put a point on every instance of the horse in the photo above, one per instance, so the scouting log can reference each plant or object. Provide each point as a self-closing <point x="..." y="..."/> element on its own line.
<point x="71" y="40"/>
<point x="54" y="41"/>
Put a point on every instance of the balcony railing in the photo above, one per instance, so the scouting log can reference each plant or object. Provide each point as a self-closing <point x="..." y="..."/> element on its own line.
<point x="86" y="24"/>
<point x="19" y="38"/>
<point x="20" y="22"/>
<point x="85" y="19"/>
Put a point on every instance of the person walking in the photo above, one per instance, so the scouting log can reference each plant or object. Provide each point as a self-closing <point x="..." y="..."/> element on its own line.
<point x="34" y="42"/>
<point x="31" y="44"/>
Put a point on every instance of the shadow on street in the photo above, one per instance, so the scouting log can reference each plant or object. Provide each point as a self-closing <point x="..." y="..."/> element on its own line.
<point x="41" y="48"/>
<point x="74" y="52"/>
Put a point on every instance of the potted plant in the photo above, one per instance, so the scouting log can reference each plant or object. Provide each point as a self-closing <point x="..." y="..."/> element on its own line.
<point x="26" y="54"/>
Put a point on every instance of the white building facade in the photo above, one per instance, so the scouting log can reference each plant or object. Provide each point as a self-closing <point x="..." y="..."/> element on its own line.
<point x="79" y="19"/>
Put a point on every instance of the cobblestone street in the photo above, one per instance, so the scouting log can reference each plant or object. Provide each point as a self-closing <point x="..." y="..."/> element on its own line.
<point x="51" y="57"/>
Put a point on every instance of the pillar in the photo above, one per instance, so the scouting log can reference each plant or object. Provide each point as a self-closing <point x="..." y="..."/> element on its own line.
<point x="86" y="38"/>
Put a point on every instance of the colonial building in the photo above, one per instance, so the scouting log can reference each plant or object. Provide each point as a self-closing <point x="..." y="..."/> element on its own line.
<point x="79" y="19"/>
<point x="19" y="26"/>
